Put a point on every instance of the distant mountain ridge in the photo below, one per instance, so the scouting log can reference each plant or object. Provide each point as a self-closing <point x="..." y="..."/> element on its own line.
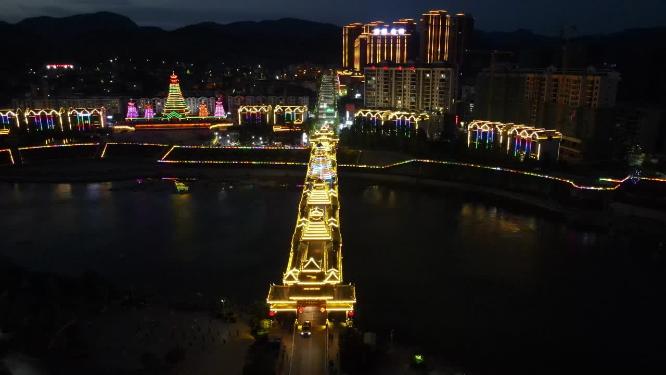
<point x="73" y="38"/>
<point x="639" y="54"/>
<point x="286" y="40"/>
<point x="77" y="24"/>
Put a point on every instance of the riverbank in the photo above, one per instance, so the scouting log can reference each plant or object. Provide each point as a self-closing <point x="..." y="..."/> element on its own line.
<point x="549" y="200"/>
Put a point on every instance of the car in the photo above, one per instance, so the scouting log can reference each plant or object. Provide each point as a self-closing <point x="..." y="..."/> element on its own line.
<point x="306" y="329"/>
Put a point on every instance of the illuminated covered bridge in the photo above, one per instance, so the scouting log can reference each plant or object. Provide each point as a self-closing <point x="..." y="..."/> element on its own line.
<point x="313" y="277"/>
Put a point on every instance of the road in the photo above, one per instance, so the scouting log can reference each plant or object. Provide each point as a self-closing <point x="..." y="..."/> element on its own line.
<point x="309" y="355"/>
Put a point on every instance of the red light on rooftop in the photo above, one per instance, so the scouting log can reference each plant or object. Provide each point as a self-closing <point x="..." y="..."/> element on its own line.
<point x="173" y="78"/>
<point x="59" y="66"/>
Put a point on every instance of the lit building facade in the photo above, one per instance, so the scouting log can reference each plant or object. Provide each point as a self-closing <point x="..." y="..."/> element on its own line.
<point x="281" y="117"/>
<point x="233" y="103"/>
<point x="349" y="35"/>
<point x="444" y="36"/>
<point x="51" y="119"/>
<point x="394" y="123"/>
<point x="517" y="140"/>
<point x="377" y="42"/>
<point x="112" y="105"/>
<point x="440" y="37"/>
<point x="410" y="88"/>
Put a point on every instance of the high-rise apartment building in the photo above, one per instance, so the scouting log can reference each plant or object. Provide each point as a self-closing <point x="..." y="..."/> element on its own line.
<point x="349" y="35"/>
<point x="444" y="36"/>
<point x="378" y="42"/>
<point x="521" y="95"/>
<point x="440" y="37"/>
<point x="410" y="88"/>
<point x="576" y="102"/>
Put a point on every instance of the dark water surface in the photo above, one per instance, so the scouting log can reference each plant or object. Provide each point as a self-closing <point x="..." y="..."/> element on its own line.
<point x="487" y="284"/>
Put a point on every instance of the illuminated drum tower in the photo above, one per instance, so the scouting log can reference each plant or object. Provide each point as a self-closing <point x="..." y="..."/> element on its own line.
<point x="175" y="105"/>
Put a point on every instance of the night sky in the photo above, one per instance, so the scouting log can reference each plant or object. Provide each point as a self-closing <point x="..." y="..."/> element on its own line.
<point x="542" y="16"/>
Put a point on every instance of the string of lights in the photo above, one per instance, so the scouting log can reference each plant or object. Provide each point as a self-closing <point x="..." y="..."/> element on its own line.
<point x="617" y="183"/>
<point x="245" y="162"/>
<point x="130" y="144"/>
<point x="56" y="146"/>
<point x="11" y="156"/>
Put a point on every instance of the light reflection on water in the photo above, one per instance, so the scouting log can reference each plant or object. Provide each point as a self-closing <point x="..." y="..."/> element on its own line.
<point x="501" y="279"/>
<point x="96" y="191"/>
<point x="63" y="191"/>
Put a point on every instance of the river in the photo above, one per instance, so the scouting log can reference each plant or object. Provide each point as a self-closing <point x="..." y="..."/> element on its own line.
<point x="488" y="284"/>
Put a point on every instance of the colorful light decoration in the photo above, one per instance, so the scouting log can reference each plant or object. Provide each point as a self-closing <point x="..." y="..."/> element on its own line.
<point x="203" y="109"/>
<point x="43" y="119"/>
<point x="175" y="106"/>
<point x="131" y="110"/>
<point x="521" y="140"/>
<point x="148" y="112"/>
<point x="85" y="118"/>
<point x="8" y="118"/>
<point x="176" y="114"/>
<point x="219" y="108"/>
<point x="52" y="119"/>
<point x="255" y="114"/>
<point x="173" y="126"/>
<point x="289" y="114"/>
<point x="387" y="122"/>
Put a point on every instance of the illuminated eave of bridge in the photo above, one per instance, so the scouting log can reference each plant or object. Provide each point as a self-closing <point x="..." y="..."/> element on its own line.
<point x="319" y="197"/>
<point x="332" y="276"/>
<point x="291" y="277"/>
<point x="316" y="231"/>
<point x="311" y="266"/>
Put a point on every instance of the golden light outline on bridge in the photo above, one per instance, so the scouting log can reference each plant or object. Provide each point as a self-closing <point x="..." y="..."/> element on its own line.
<point x="313" y="275"/>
